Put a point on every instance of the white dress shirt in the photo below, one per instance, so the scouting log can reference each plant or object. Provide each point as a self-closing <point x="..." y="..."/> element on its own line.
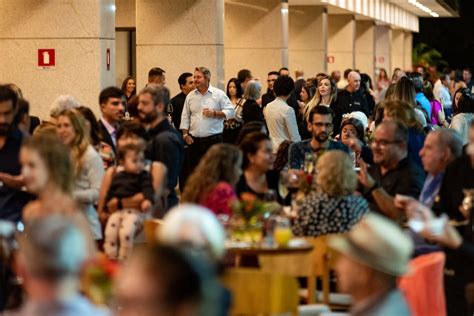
<point x="436" y="88"/>
<point x="444" y="97"/>
<point x="281" y="123"/>
<point x="199" y="125"/>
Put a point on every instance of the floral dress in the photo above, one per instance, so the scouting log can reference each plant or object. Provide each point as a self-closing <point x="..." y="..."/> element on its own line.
<point x="320" y="214"/>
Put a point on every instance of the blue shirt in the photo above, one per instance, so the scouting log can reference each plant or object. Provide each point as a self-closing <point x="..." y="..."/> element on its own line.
<point x="298" y="150"/>
<point x="75" y="306"/>
<point x="424" y="102"/>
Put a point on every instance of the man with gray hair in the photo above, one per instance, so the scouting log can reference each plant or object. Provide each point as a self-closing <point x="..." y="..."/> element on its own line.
<point x="204" y="112"/>
<point x="166" y="144"/>
<point x="441" y="147"/>
<point x="349" y="100"/>
<point x="52" y="253"/>
<point x="373" y="255"/>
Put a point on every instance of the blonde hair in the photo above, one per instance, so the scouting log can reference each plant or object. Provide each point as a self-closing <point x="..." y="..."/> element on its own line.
<point x="316" y="100"/>
<point x="402" y="112"/>
<point x="81" y="141"/>
<point x="336" y="162"/>
<point x="56" y="158"/>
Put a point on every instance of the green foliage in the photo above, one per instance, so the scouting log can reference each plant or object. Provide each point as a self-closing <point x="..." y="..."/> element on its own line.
<point x="426" y="56"/>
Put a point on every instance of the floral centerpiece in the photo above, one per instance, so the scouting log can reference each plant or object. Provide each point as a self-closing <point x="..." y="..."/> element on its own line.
<point x="97" y="280"/>
<point x="248" y="217"/>
<point x="248" y="207"/>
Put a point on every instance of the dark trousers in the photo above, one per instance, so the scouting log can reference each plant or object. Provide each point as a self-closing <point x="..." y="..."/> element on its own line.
<point x="198" y="149"/>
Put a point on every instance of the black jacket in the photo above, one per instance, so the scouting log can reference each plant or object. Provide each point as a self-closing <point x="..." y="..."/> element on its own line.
<point x="347" y="102"/>
<point x="105" y="136"/>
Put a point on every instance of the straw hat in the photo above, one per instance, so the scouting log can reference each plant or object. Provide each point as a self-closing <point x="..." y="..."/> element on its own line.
<point x="378" y="243"/>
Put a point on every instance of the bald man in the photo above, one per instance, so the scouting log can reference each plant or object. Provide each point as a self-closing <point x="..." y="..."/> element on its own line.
<point x="349" y="100"/>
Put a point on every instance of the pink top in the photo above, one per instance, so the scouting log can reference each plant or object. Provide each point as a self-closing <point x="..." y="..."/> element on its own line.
<point x="219" y="199"/>
<point x="435" y="109"/>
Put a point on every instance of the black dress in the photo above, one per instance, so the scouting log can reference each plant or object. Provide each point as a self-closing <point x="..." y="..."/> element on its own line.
<point x="272" y="180"/>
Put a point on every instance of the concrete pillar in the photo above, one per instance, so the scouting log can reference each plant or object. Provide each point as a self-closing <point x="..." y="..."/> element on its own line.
<point x="341" y="42"/>
<point x="383" y="35"/>
<point x="308" y="33"/>
<point x="253" y="37"/>
<point x="365" y="47"/>
<point x="177" y="36"/>
<point x="398" y="48"/>
<point x="408" y="51"/>
<point x="125" y="13"/>
<point x="80" y="32"/>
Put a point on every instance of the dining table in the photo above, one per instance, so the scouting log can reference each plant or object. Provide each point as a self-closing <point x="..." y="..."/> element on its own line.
<point x="239" y="249"/>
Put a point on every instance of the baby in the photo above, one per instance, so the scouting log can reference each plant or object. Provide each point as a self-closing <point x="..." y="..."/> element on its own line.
<point x="129" y="179"/>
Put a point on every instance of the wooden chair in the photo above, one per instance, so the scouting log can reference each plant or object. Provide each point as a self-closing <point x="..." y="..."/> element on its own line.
<point x="256" y="292"/>
<point x="312" y="265"/>
<point x="150" y="228"/>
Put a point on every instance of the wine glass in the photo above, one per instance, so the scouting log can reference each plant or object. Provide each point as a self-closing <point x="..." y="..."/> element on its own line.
<point x="283" y="184"/>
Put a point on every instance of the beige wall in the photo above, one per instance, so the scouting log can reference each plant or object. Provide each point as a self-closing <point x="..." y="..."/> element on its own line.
<point x="80" y="33"/>
<point x="365" y="47"/>
<point x="408" y="44"/>
<point x="383" y="36"/>
<point x="178" y="36"/>
<point x="341" y="37"/>
<point x="252" y="37"/>
<point x="398" y="48"/>
<point x="125" y="13"/>
<point x="307" y="42"/>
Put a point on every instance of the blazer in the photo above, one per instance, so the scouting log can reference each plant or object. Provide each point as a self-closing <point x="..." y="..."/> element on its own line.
<point x="105" y="136"/>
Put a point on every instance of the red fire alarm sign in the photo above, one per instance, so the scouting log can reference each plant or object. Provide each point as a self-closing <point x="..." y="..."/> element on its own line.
<point x="46" y="58"/>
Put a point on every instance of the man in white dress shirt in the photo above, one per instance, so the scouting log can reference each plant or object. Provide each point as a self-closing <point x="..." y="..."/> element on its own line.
<point x="204" y="112"/>
<point x="441" y="92"/>
<point x="280" y="117"/>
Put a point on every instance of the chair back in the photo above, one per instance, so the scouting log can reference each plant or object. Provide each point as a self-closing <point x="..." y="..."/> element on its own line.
<point x="255" y="292"/>
<point x="150" y="227"/>
<point x="311" y="265"/>
<point x="423" y="285"/>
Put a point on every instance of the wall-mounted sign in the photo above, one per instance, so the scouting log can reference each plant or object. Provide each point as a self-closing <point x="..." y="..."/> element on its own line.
<point x="107" y="58"/>
<point x="46" y="58"/>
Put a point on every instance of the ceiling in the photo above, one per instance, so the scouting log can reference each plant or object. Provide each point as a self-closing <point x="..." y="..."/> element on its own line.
<point x="434" y="5"/>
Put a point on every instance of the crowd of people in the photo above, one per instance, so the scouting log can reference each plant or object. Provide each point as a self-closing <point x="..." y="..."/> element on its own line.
<point x="385" y="155"/>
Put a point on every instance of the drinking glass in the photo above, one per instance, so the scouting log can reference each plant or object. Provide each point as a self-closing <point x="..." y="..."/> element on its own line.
<point x="282" y="232"/>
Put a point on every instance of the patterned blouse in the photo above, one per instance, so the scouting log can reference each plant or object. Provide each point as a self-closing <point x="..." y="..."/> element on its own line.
<point x="320" y="214"/>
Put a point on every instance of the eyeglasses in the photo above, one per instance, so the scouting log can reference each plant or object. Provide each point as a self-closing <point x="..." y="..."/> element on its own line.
<point x="384" y="143"/>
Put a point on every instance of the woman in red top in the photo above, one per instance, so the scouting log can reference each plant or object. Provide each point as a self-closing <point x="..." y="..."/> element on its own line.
<point x="212" y="182"/>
